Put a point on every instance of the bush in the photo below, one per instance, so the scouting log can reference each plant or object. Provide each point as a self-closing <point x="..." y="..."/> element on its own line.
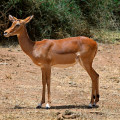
<point x="53" y="18"/>
<point x="62" y="18"/>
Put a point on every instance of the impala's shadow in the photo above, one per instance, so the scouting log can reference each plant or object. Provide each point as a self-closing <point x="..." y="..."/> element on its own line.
<point x="60" y="107"/>
<point x="72" y="107"/>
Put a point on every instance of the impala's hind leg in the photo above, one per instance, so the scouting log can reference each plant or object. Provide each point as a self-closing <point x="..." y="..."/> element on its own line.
<point x="87" y="65"/>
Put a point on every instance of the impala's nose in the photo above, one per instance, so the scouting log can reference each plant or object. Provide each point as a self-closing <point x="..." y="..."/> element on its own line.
<point x="5" y="33"/>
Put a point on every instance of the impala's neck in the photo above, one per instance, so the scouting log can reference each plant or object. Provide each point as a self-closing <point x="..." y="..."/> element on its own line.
<point x="25" y="42"/>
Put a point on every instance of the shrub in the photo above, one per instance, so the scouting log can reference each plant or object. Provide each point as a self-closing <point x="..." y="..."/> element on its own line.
<point x="62" y="18"/>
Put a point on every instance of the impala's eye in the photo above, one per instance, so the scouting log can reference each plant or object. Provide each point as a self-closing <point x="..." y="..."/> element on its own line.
<point x="17" y="25"/>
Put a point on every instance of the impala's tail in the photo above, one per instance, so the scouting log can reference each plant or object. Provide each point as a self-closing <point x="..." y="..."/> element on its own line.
<point x="96" y="49"/>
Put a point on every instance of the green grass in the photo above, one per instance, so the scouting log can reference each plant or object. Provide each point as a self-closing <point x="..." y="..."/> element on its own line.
<point x="106" y="36"/>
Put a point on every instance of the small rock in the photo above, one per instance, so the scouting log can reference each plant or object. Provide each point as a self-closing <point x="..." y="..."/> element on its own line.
<point x="10" y="50"/>
<point x="17" y="107"/>
<point x="60" y="117"/>
<point x="68" y="112"/>
<point x="18" y="65"/>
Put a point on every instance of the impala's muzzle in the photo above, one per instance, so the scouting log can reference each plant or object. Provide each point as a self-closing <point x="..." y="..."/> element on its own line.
<point x="6" y="34"/>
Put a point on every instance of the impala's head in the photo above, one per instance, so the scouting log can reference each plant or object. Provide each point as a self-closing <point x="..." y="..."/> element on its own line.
<point x="17" y="25"/>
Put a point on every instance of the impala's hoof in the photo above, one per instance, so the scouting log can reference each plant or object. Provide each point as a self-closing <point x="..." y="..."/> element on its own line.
<point x="47" y="106"/>
<point x="39" y="106"/>
<point x="94" y="104"/>
<point x="90" y="106"/>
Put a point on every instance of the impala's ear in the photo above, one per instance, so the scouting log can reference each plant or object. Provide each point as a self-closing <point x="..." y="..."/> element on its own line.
<point x="28" y="19"/>
<point x="12" y="18"/>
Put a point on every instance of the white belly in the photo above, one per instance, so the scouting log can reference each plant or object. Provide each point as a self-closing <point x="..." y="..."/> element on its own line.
<point x="64" y="65"/>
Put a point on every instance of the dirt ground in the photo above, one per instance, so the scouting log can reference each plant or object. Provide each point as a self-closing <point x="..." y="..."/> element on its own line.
<point x="20" y="88"/>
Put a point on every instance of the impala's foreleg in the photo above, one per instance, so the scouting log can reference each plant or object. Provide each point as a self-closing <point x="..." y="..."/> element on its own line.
<point x="44" y="82"/>
<point x="46" y="74"/>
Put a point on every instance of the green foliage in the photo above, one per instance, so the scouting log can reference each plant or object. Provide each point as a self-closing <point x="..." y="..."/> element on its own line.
<point x="62" y="18"/>
<point x="59" y="19"/>
<point x="100" y="13"/>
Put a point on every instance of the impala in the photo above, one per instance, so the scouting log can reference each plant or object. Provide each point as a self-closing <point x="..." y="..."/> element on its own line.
<point x="61" y="53"/>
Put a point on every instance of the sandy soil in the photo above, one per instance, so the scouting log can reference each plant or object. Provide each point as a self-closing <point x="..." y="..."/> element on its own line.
<point x="20" y="88"/>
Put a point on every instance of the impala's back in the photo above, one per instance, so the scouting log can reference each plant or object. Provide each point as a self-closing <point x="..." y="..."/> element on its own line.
<point x="68" y="50"/>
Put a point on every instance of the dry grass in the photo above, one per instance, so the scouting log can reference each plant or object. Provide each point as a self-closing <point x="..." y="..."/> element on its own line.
<point x="20" y="90"/>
